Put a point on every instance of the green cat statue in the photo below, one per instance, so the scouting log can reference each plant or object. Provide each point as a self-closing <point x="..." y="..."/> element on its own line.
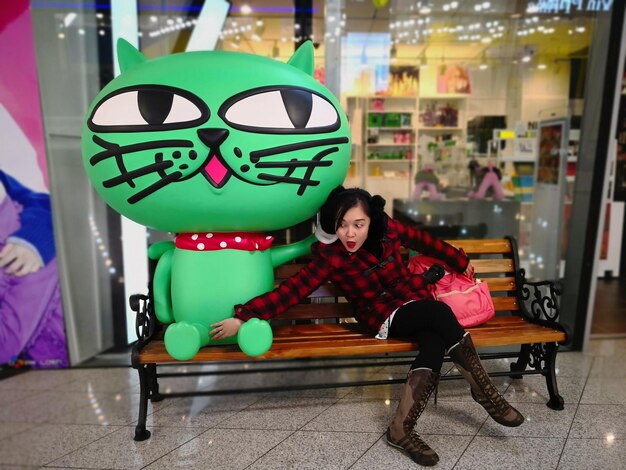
<point x="219" y="148"/>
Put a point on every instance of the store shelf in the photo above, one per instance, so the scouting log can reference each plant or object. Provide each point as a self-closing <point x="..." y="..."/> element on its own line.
<point x="382" y="128"/>
<point x="450" y="96"/>
<point x="389" y="160"/>
<point x="390" y="145"/>
<point x="442" y="129"/>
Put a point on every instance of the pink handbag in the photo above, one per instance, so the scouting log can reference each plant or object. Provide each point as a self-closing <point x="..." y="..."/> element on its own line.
<point x="470" y="300"/>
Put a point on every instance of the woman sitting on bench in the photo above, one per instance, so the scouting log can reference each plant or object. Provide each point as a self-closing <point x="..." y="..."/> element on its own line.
<point x="363" y="260"/>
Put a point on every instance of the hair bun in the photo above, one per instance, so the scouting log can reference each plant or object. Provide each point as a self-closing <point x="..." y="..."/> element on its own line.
<point x="378" y="202"/>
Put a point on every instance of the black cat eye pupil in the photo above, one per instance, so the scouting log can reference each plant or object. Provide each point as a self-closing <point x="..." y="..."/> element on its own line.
<point x="298" y="104"/>
<point x="154" y="105"/>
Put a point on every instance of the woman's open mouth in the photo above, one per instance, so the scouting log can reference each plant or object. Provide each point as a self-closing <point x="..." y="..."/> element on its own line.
<point x="351" y="245"/>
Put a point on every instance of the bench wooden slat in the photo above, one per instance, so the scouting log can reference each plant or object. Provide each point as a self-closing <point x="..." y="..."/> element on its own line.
<point x="505" y="304"/>
<point x="500" y="284"/>
<point x="321" y="311"/>
<point x="483" y="246"/>
<point x="484" y="266"/>
<point x="332" y="340"/>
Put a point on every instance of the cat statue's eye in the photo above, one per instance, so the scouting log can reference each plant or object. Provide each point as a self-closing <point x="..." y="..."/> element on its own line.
<point x="280" y="110"/>
<point x="148" y="108"/>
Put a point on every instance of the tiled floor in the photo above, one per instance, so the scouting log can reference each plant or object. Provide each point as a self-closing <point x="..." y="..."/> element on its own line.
<point x="83" y="418"/>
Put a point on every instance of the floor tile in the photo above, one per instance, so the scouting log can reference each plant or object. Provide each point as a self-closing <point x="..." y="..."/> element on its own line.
<point x="391" y="391"/>
<point x="110" y="380"/>
<point x="222" y="449"/>
<point x="116" y="409"/>
<point x="533" y="388"/>
<point x="381" y="454"/>
<point x="573" y="364"/>
<point x="46" y="442"/>
<point x="585" y="454"/>
<point x="11" y="396"/>
<point x="204" y="412"/>
<point x="599" y="421"/>
<point x="119" y="451"/>
<point x="43" y="407"/>
<point x="609" y="367"/>
<point x="335" y="392"/>
<point x="40" y="380"/>
<point x="278" y="413"/>
<point x="540" y="421"/>
<point x="13" y="429"/>
<point x="607" y="347"/>
<point x="350" y="414"/>
<point x="511" y="453"/>
<point x="21" y="467"/>
<point x="317" y="450"/>
<point x="604" y="390"/>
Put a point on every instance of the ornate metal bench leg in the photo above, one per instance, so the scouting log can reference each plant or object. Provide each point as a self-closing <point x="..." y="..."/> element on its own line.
<point x="556" y="401"/>
<point x="522" y="362"/>
<point x="154" y="383"/>
<point x="141" y="433"/>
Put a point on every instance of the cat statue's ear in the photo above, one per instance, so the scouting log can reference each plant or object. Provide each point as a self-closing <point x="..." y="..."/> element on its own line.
<point x="303" y="58"/>
<point x="127" y="55"/>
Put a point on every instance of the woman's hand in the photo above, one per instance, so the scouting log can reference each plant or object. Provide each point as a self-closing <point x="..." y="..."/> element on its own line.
<point x="225" y="328"/>
<point x="469" y="272"/>
<point x="19" y="260"/>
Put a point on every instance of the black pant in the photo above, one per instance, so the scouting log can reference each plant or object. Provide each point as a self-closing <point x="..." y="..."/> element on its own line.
<point x="433" y="324"/>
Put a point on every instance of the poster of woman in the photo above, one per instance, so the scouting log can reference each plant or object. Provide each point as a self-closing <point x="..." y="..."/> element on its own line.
<point x="453" y="79"/>
<point x="32" y="331"/>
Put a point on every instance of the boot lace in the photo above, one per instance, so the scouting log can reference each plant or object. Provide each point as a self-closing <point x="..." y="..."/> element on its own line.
<point x="418" y="407"/>
<point x="491" y="393"/>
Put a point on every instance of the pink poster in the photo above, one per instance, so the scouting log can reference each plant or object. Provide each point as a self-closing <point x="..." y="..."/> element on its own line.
<point x="31" y="314"/>
<point x="453" y="78"/>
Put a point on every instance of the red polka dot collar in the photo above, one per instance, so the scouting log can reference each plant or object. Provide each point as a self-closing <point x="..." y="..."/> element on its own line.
<point x="247" y="241"/>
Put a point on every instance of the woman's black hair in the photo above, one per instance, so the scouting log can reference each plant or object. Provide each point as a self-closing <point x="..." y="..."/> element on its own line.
<point x="341" y="200"/>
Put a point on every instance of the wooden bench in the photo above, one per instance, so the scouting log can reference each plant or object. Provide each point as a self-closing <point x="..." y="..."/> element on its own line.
<point x="526" y="316"/>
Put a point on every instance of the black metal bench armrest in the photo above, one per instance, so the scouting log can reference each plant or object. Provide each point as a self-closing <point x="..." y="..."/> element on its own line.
<point x="145" y="322"/>
<point x="540" y="301"/>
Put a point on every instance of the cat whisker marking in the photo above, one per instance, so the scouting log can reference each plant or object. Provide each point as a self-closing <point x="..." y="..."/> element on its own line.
<point x="258" y="154"/>
<point x="155" y="187"/>
<point x="310" y="169"/>
<point x="126" y="149"/>
<point x="296" y="164"/>
<point x="130" y="175"/>
<point x="287" y="179"/>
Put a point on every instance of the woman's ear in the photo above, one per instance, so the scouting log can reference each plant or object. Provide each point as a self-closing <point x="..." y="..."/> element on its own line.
<point x="322" y="235"/>
<point x="328" y="211"/>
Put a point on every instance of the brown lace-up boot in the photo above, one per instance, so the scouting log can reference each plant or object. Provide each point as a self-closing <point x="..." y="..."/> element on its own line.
<point x="417" y="389"/>
<point x="483" y="390"/>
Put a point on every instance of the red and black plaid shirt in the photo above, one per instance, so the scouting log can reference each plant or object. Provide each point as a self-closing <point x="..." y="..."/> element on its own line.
<point x="375" y="287"/>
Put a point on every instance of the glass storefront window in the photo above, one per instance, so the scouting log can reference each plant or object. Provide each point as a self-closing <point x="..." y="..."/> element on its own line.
<point x="441" y="96"/>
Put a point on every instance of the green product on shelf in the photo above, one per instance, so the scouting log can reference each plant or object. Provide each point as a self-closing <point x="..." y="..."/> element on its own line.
<point x="392" y="120"/>
<point x="375" y="120"/>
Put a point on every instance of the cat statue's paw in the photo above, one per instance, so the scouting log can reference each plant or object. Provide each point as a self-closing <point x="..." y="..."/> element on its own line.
<point x="255" y="337"/>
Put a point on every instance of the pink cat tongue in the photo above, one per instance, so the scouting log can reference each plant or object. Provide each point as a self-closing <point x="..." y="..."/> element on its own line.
<point x="216" y="171"/>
